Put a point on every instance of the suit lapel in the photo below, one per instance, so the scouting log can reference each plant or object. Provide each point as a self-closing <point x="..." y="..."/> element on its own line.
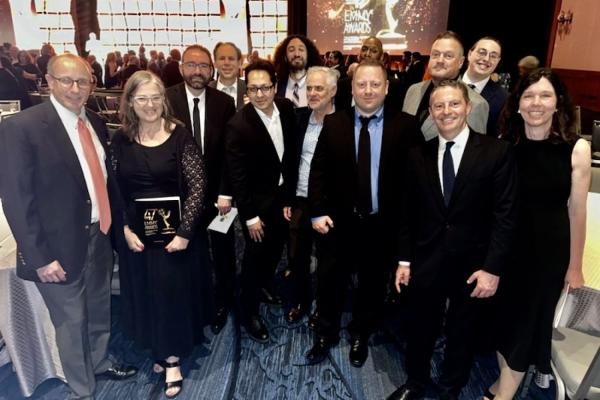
<point x="241" y="91"/>
<point x="431" y="166"/>
<point x="182" y="106"/>
<point x="261" y="130"/>
<point x="467" y="163"/>
<point x="210" y="113"/>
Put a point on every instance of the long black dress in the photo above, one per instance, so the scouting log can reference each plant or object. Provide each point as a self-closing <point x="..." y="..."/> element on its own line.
<point x="166" y="298"/>
<point x="530" y="289"/>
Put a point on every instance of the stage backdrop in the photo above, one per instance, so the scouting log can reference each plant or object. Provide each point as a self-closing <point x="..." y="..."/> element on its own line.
<point x="400" y="24"/>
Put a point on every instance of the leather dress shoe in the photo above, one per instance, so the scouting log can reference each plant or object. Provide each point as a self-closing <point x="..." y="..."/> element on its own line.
<point x="120" y="372"/>
<point x="257" y="330"/>
<point x="320" y="350"/>
<point x="296" y="313"/>
<point x="359" y="350"/>
<point x="313" y="320"/>
<point x="219" y="321"/>
<point x="406" y="392"/>
<point x="266" y="296"/>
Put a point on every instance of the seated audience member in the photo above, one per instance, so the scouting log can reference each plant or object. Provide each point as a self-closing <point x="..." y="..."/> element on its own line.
<point x="554" y="169"/>
<point x="446" y="58"/>
<point x="460" y="216"/>
<point x="162" y="296"/>
<point x="483" y="59"/>
<point x="30" y="73"/>
<point x="11" y="84"/>
<point x="228" y="60"/>
<point x="170" y="73"/>
<point x="321" y="84"/>
<point x="132" y="66"/>
<point x="112" y="76"/>
<point x="47" y="52"/>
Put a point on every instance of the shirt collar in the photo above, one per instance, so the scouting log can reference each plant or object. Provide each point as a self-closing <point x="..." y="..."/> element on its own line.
<point x="191" y="96"/>
<point x="265" y="116"/>
<point x="220" y="85"/>
<point x="378" y="114"/>
<point x="67" y="116"/>
<point x="311" y="119"/>
<point x="460" y="141"/>
<point x="300" y="81"/>
<point x="478" y="85"/>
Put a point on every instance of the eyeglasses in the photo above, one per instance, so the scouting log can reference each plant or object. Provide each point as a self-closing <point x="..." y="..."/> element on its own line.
<point x="482" y="53"/>
<point x="263" y="89"/>
<point x="143" y="100"/>
<point x="67" y="82"/>
<point x="192" y="65"/>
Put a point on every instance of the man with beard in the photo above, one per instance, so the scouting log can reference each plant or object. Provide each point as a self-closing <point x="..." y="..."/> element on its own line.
<point x="447" y="57"/>
<point x="293" y="56"/>
<point x="205" y="111"/>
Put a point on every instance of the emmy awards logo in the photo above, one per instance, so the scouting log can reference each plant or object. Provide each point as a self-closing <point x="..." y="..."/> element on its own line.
<point x="168" y="229"/>
<point x="391" y="39"/>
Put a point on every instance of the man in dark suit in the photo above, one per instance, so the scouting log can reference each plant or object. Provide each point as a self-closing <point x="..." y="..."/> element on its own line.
<point x="415" y="70"/>
<point x="483" y="58"/>
<point x="460" y="214"/>
<point x="228" y="58"/>
<point x="353" y="195"/>
<point x="58" y="192"/>
<point x="320" y="89"/>
<point x="259" y="146"/>
<point x="205" y="111"/>
<point x="171" y="72"/>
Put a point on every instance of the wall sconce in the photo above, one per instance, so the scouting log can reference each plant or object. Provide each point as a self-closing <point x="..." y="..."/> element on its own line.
<point x="565" y="18"/>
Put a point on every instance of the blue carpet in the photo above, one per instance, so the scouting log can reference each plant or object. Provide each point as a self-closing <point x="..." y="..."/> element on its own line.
<point x="231" y="366"/>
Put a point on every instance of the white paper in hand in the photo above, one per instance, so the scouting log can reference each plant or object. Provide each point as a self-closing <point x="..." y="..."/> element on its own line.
<point x="222" y="223"/>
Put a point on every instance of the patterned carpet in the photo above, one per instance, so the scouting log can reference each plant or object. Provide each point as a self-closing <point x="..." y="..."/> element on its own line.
<point x="231" y="366"/>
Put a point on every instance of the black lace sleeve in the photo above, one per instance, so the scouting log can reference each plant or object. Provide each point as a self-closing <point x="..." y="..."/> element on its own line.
<point x="194" y="185"/>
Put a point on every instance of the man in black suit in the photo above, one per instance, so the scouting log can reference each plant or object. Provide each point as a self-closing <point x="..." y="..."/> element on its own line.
<point x="259" y="147"/>
<point x="206" y="111"/>
<point x="354" y="192"/>
<point x="228" y="58"/>
<point x="460" y="216"/>
<point x="171" y="72"/>
<point x="415" y="69"/>
<point x="483" y="58"/>
<point x="58" y="192"/>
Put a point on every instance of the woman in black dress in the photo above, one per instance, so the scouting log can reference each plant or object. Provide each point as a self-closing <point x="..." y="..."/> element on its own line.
<point x="29" y="71"/>
<point x="554" y="169"/>
<point x="162" y="290"/>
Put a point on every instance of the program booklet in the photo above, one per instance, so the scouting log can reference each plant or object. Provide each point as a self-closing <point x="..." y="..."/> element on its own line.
<point x="157" y="219"/>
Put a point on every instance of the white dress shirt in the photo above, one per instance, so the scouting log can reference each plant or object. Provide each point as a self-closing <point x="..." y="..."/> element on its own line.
<point x="69" y="121"/>
<point x="201" y="109"/>
<point x="230" y="90"/>
<point x="460" y="141"/>
<point x="289" y="91"/>
<point x="478" y="85"/>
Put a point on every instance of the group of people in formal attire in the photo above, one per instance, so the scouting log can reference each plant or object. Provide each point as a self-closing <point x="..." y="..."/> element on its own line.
<point x="455" y="189"/>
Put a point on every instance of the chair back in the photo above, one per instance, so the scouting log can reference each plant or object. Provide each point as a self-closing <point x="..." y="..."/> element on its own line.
<point x="10" y="106"/>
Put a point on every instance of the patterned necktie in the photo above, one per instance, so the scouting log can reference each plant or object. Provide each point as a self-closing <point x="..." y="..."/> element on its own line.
<point x="448" y="172"/>
<point x="295" y="94"/>
<point x="196" y="123"/>
<point x="364" y="205"/>
<point x="93" y="162"/>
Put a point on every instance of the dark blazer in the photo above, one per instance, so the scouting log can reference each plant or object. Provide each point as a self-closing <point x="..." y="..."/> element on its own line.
<point x="478" y="223"/>
<point x="281" y="87"/>
<point x="332" y="182"/>
<point x="44" y="194"/>
<point x="241" y="91"/>
<point x="219" y="110"/>
<point x="496" y="97"/>
<point x="170" y="74"/>
<point x="252" y="160"/>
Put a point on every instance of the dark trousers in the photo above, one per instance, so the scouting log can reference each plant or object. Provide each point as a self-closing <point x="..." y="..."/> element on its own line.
<point x="302" y="237"/>
<point x="261" y="258"/>
<point x="449" y="297"/>
<point x="222" y="247"/>
<point x="354" y="244"/>
<point x="80" y="313"/>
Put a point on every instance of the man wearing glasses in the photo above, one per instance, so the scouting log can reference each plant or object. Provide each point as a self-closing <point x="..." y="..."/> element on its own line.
<point x="61" y="202"/>
<point x="483" y="58"/>
<point x="205" y="112"/>
<point x="446" y="59"/>
<point x="260" y="152"/>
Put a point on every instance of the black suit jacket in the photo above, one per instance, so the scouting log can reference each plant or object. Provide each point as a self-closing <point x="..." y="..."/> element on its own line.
<point x="496" y="97"/>
<point x="333" y="177"/>
<point x="478" y="224"/>
<point x="252" y="160"/>
<point x="170" y="74"/>
<point x="44" y="194"/>
<point x="219" y="110"/>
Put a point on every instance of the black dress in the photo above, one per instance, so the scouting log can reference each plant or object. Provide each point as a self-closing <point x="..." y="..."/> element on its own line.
<point x="166" y="298"/>
<point x="530" y="289"/>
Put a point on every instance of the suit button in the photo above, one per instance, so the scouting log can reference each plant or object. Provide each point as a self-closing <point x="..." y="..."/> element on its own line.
<point x="87" y="227"/>
<point x="88" y="201"/>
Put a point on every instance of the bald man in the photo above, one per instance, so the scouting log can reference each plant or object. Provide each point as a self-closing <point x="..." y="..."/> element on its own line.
<point x="58" y="192"/>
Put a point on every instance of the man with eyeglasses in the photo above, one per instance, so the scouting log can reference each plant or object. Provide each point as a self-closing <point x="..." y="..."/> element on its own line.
<point x="446" y="59"/>
<point x="259" y="149"/>
<point x="483" y="58"/>
<point x="205" y="112"/>
<point x="62" y="203"/>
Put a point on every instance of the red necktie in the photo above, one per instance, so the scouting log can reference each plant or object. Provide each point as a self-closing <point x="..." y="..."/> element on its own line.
<point x="91" y="157"/>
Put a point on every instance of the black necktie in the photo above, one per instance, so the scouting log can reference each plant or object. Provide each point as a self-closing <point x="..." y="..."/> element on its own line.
<point x="196" y="122"/>
<point x="364" y="206"/>
<point x="448" y="172"/>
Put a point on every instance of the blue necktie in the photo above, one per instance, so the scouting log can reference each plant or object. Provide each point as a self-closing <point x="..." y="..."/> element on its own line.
<point x="448" y="172"/>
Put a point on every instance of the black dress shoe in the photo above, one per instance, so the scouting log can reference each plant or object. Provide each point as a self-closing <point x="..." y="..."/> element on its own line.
<point x="257" y="330"/>
<point x="219" y="321"/>
<point x="313" y="320"/>
<point x="320" y="350"/>
<point x="266" y="296"/>
<point x="406" y="392"/>
<point x="119" y="372"/>
<point x="359" y="350"/>
<point x="296" y="314"/>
